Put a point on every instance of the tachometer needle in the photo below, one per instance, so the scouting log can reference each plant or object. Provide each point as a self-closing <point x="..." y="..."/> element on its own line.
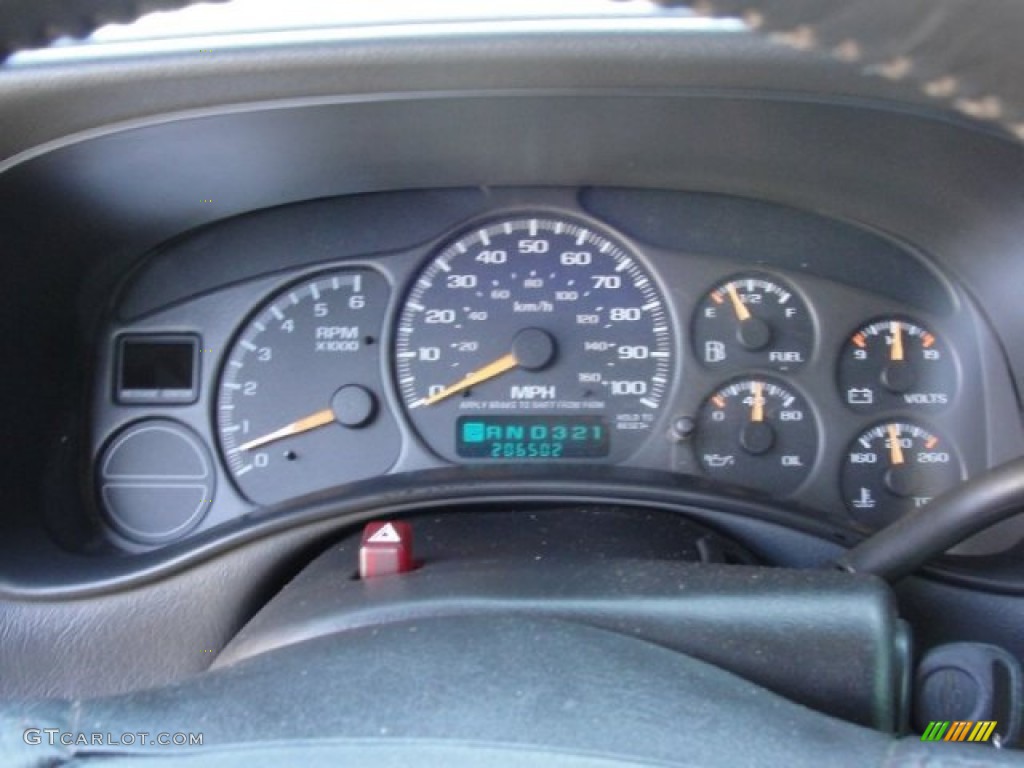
<point x="895" y="449"/>
<point x="737" y="304"/>
<point x="896" y="352"/>
<point x="318" y="419"/>
<point x="757" y="408"/>
<point x="501" y="365"/>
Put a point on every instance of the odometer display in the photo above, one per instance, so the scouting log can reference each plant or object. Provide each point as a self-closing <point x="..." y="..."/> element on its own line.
<point x="534" y="317"/>
<point x="531" y="437"/>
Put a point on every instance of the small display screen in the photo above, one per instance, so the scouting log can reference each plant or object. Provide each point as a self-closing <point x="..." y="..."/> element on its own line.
<point x="157" y="368"/>
<point x="531" y="437"/>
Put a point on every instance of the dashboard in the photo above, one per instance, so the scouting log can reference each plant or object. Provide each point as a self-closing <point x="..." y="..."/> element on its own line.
<point x="552" y="294"/>
<point x="292" y="351"/>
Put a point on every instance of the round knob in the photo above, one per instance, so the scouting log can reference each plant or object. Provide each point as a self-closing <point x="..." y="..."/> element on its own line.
<point x="354" y="406"/>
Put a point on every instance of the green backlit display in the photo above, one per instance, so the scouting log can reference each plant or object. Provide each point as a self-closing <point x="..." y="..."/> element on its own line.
<point x="531" y="437"/>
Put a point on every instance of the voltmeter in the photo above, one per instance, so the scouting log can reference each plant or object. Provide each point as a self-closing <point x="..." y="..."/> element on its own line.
<point x="894" y="363"/>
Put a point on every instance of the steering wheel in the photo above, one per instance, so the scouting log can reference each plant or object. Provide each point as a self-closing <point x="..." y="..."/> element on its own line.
<point x="592" y="694"/>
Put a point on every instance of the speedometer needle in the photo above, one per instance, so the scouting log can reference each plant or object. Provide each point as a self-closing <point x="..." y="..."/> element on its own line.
<point x="501" y="365"/>
<point x="313" y="421"/>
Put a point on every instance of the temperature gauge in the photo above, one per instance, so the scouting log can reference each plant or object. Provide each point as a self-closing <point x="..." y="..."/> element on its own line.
<point x="758" y="434"/>
<point x="752" y="322"/>
<point x="894" y="363"/>
<point x="894" y="468"/>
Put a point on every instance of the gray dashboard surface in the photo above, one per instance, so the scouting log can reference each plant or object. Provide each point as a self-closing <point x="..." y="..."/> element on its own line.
<point x="516" y="682"/>
<point x="58" y="101"/>
<point x="938" y="46"/>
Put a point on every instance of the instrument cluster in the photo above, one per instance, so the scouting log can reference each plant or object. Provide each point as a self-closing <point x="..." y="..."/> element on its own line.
<point x="538" y="334"/>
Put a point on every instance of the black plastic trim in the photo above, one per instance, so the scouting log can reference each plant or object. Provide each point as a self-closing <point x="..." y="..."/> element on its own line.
<point x="769" y="530"/>
<point x="350" y="505"/>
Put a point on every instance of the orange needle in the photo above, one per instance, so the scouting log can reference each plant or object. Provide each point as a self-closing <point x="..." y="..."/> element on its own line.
<point x="318" y="419"/>
<point x="897" y="341"/>
<point x="895" y="449"/>
<point x="502" y="365"/>
<point x="757" y="411"/>
<point x="741" y="309"/>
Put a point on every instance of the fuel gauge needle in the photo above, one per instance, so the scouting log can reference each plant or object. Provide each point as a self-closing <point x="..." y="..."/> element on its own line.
<point x="737" y="304"/>
<point x="313" y="421"/>
<point x="895" y="449"/>
<point x="502" y="365"/>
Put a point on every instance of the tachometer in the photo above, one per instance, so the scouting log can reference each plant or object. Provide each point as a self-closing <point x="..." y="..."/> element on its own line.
<point x="534" y="339"/>
<point x="297" y="407"/>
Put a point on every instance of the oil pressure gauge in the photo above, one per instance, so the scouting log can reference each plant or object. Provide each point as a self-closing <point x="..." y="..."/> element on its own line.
<point x="751" y="321"/>
<point x="759" y="434"/>
<point x="895" y="467"/>
<point x="896" y="364"/>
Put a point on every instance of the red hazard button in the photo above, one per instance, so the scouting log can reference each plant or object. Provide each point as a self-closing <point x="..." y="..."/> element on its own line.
<point x="386" y="549"/>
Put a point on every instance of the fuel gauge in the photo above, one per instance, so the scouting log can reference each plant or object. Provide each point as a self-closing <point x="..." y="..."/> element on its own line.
<point x="896" y="364"/>
<point x="752" y="321"/>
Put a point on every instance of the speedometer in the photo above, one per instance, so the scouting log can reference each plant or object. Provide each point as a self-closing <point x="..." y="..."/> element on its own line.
<point x="534" y="339"/>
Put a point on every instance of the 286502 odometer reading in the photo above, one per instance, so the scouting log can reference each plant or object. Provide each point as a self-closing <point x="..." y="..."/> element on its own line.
<point x="541" y="321"/>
